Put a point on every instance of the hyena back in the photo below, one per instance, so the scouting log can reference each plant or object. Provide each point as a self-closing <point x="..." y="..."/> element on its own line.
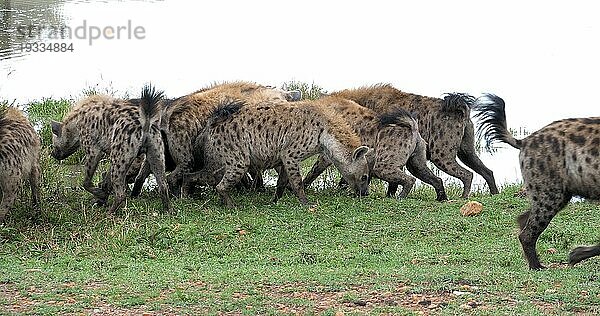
<point x="396" y="143"/>
<point x="120" y="129"/>
<point x="278" y="134"/>
<point x="19" y="159"/>
<point x="557" y="162"/>
<point x="444" y="124"/>
<point x="186" y="117"/>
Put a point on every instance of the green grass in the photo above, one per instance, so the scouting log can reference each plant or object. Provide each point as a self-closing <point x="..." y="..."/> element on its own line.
<point x="373" y="255"/>
<point x="393" y="256"/>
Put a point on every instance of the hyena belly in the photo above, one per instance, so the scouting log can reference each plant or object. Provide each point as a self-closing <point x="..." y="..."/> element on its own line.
<point x="583" y="174"/>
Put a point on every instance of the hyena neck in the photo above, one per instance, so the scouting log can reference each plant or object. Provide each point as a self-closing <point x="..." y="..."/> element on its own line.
<point x="339" y="153"/>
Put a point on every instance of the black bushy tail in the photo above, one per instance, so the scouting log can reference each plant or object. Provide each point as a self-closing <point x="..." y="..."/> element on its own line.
<point x="458" y="103"/>
<point x="398" y="116"/>
<point x="492" y="121"/>
<point x="150" y="103"/>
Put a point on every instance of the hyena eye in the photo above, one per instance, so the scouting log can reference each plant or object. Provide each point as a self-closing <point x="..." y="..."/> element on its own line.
<point x="364" y="178"/>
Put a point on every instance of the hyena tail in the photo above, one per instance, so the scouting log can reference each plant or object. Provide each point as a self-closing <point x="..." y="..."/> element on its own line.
<point x="398" y="116"/>
<point x="150" y="103"/>
<point x="401" y="117"/>
<point x="460" y="103"/>
<point x="492" y="121"/>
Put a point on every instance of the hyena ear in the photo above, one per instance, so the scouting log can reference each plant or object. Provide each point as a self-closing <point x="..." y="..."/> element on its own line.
<point x="56" y="128"/>
<point x="294" y="95"/>
<point x="360" y="153"/>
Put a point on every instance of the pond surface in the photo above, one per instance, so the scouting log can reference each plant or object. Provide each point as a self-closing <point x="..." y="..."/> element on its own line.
<point x="180" y="46"/>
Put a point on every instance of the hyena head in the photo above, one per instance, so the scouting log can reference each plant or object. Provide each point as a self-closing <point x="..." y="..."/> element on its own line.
<point x="356" y="172"/>
<point x="65" y="140"/>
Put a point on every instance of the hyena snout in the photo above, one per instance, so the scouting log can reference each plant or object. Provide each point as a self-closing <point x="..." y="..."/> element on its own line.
<point x="358" y="177"/>
<point x="361" y="187"/>
<point x="60" y="154"/>
<point x="57" y="154"/>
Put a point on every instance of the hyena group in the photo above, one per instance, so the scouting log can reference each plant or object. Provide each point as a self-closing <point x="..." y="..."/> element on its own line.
<point x="244" y="135"/>
<point x="185" y="118"/>
<point x="19" y="159"/>
<point x="444" y="124"/>
<point x="218" y="134"/>
<point x="557" y="162"/>
<point x="396" y="142"/>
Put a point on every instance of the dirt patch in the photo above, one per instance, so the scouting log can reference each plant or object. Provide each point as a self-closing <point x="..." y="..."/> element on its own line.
<point x="293" y="298"/>
<point x="354" y="299"/>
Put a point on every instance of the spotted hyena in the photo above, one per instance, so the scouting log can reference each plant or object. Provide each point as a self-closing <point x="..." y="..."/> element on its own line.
<point x="185" y="118"/>
<point x="271" y="134"/>
<point x="557" y="162"/>
<point x="396" y="142"/>
<point x="119" y="129"/>
<point x="444" y="124"/>
<point x="19" y="159"/>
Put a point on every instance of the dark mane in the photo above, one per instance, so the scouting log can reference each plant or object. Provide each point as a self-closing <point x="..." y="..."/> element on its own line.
<point x="458" y="102"/>
<point x="225" y="110"/>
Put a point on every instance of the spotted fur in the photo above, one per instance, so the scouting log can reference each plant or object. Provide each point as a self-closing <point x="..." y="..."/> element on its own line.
<point x="559" y="161"/>
<point x="19" y="159"/>
<point x="120" y="129"/>
<point x="395" y="138"/>
<point x="444" y="124"/>
<point x="269" y="134"/>
<point x="186" y="117"/>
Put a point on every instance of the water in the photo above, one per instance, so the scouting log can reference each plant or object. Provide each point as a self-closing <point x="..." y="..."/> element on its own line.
<point x="543" y="68"/>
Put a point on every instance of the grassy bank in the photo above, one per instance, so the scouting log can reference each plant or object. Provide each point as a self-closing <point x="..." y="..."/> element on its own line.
<point x="373" y="255"/>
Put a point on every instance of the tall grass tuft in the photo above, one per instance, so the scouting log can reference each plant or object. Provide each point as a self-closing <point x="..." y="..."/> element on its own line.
<point x="41" y="113"/>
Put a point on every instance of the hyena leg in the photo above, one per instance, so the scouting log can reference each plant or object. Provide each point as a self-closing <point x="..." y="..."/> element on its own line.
<point x="417" y="165"/>
<point x="258" y="182"/>
<point x="119" y="186"/>
<point x="10" y="189"/>
<point x="141" y="178"/>
<point x="184" y="160"/>
<point x="246" y="183"/>
<point x="398" y="178"/>
<point x="292" y="169"/>
<point x="451" y="167"/>
<point x="581" y="253"/>
<point x="320" y="165"/>
<point x="232" y="176"/>
<point x="91" y="164"/>
<point x="35" y="177"/>
<point x="468" y="156"/>
<point x="282" y="183"/>
<point x="106" y="186"/>
<point x="544" y="205"/>
<point x="156" y="161"/>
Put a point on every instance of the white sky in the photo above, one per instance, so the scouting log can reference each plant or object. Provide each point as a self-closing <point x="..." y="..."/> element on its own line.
<point x="542" y="57"/>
